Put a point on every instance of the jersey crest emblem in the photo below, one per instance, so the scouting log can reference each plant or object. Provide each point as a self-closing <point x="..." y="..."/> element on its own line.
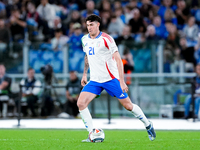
<point x="98" y="43"/>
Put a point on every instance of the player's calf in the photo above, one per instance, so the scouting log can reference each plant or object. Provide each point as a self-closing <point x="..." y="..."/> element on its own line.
<point x="126" y="103"/>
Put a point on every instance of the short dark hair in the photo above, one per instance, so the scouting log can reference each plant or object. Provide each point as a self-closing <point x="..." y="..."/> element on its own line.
<point x="73" y="71"/>
<point x="58" y="30"/>
<point x="30" y="68"/>
<point x="14" y="8"/>
<point x="93" y="18"/>
<point x="113" y="16"/>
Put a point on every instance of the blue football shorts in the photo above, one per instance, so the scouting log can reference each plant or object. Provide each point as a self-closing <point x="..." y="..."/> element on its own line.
<point x="112" y="87"/>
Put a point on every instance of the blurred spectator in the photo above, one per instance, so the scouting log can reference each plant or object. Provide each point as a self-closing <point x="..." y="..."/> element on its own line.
<point x="4" y="38"/>
<point x="117" y="4"/>
<point x="104" y="5"/>
<point x="17" y="26"/>
<point x="182" y="13"/>
<point x="105" y="20"/>
<point x="90" y="9"/>
<point x="32" y="20"/>
<point x="32" y="13"/>
<point x="57" y="23"/>
<point x="2" y="10"/>
<point x="59" y="41"/>
<point x="191" y="30"/>
<point x="72" y="18"/>
<point x="127" y="60"/>
<point x="166" y="4"/>
<point x="137" y="23"/>
<point x="168" y="25"/>
<point x="128" y="13"/>
<point x="77" y="34"/>
<point x="171" y="51"/>
<point x="13" y="4"/>
<point x="29" y="93"/>
<point x="173" y="37"/>
<point x="126" y="35"/>
<point x="75" y="17"/>
<point x="74" y="4"/>
<point x="146" y="11"/>
<point x="76" y="53"/>
<point x="47" y="15"/>
<point x="23" y="9"/>
<point x="119" y="14"/>
<point x="187" y="54"/>
<point x="5" y="83"/>
<point x="115" y="26"/>
<point x="133" y="4"/>
<point x="160" y="28"/>
<point x="61" y="10"/>
<point x="73" y="89"/>
<point x="151" y="34"/>
<point x="196" y="89"/>
<point x="169" y="16"/>
<point x="140" y="38"/>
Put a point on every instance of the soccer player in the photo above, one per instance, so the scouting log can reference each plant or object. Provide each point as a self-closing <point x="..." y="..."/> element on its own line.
<point x="106" y="72"/>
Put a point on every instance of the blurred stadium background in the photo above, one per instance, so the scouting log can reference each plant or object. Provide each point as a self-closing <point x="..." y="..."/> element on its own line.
<point x="151" y="30"/>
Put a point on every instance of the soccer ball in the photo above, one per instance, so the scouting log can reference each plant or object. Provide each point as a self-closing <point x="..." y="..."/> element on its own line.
<point x="96" y="135"/>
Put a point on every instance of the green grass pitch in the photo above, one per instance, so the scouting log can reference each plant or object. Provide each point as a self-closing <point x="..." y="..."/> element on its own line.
<point x="41" y="139"/>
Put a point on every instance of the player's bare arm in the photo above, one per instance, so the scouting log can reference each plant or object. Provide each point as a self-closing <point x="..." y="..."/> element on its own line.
<point x="121" y="71"/>
<point x="86" y="67"/>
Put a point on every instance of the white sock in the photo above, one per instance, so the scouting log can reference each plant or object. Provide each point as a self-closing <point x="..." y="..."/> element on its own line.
<point x="138" y="113"/>
<point x="87" y="119"/>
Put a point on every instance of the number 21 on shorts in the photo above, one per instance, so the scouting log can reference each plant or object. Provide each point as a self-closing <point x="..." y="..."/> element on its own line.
<point x="91" y="51"/>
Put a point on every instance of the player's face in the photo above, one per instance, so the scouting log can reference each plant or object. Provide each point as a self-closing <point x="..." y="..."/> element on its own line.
<point x="93" y="27"/>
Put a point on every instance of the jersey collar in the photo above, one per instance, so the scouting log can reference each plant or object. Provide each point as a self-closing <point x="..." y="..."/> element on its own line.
<point x="97" y="35"/>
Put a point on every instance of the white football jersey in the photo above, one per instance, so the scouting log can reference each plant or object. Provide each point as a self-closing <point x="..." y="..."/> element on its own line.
<point x="99" y="51"/>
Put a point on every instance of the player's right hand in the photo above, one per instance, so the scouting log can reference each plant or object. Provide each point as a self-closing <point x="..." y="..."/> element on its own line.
<point x="84" y="80"/>
<point x="124" y="87"/>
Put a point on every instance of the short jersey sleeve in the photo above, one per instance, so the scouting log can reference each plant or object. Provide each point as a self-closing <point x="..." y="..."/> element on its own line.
<point x="82" y="41"/>
<point x="109" y="43"/>
<point x="83" y="46"/>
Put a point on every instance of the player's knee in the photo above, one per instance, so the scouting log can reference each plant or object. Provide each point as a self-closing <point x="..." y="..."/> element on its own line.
<point x="128" y="106"/>
<point x="81" y="105"/>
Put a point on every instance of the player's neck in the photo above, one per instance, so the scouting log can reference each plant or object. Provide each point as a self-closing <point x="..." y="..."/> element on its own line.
<point x="94" y="36"/>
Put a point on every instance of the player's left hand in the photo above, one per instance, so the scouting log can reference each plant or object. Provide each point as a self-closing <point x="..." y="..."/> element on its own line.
<point x="124" y="86"/>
